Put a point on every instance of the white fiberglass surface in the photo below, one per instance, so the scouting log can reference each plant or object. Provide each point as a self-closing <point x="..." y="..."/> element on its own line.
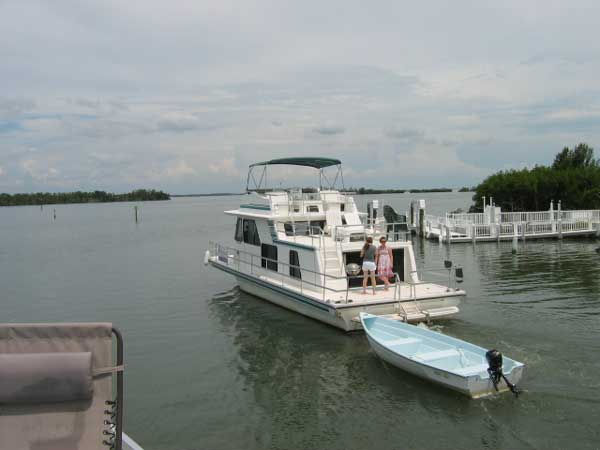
<point x="439" y="351"/>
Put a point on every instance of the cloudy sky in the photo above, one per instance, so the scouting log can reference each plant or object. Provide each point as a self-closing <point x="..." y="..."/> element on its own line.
<point x="183" y="95"/>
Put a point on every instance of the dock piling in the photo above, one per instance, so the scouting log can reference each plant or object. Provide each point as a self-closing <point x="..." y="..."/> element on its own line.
<point x="135" y="208"/>
<point x="560" y="234"/>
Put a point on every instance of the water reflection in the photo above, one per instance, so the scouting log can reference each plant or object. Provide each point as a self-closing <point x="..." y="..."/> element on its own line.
<point x="317" y="385"/>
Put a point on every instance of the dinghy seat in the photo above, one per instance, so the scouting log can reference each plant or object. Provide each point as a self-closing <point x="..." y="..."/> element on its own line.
<point x="430" y="356"/>
<point x="471" y="370"/>
<point x="402" y="341"/>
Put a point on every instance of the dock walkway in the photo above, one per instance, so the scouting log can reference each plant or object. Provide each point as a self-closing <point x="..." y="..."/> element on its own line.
<point x="495" y="225"/>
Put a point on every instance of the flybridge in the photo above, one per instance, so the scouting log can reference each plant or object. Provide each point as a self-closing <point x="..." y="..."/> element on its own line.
<point x="256" y="180"/>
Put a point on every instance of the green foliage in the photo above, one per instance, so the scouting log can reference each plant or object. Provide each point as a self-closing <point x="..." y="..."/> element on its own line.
<point x="422" y="191"/>
<point x="48" y="198"/>
<point x="574" y="178"/>
<point x="581" y="156"/>
<point x="366" y="191"/>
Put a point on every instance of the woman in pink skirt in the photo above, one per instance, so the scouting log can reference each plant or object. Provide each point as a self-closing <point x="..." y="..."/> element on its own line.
<point x="385" y="262"/>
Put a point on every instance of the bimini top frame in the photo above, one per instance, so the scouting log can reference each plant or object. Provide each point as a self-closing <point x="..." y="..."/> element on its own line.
<point x="260" y="185"/>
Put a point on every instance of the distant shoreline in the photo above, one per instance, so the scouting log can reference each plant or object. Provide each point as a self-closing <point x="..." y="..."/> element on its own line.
<point x="359" y="191"/>
<point x="215" y="194"/>
<point x="64" y="198"/>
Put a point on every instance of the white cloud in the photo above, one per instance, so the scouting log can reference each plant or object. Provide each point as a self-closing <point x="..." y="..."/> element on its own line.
<point x="473" y="91"/>
<point x="180" y="169"/>
<point x="177" y="121"/>
<point x="224" y="167"/>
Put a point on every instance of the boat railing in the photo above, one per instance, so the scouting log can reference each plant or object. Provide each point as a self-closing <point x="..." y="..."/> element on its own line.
<point x="434" y="274"/>
<point x="241" y="261"/>
<point x="393" y="231"/>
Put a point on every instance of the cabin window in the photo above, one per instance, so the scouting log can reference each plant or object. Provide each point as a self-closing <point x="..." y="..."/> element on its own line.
<point x="239" y="233"/>
<point x="251" y="233"/>
<point x="303" y="228"/>
<point x="269" y="257"/>
<point x="312" y="208"/>
<point x="342" y="207"/>
<point x="295" y="265"/>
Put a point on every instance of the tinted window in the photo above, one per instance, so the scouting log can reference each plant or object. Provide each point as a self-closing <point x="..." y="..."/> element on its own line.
<point x="239" y="235"/>
<point x="250" y="232"/>
<point x="269" y="257"/>
<point x="312" y="208"/>
<point x="295" y="265"/>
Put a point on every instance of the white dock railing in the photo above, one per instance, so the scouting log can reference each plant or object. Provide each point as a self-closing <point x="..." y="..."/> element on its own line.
<point x="494" y="224"/>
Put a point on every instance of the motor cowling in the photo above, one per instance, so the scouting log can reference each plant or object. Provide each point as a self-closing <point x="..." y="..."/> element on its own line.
<point x="494" y="360"/>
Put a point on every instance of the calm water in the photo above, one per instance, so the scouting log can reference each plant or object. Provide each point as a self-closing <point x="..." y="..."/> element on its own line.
<point x="209" y="367"/>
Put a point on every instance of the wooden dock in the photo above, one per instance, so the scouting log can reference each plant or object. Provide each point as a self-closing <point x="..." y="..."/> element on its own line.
<point x="495" y="225"/>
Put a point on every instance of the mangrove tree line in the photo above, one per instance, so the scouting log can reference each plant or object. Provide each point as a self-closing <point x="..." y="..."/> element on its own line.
<point x="573" y="178"/>
<point x="53" y="198"/>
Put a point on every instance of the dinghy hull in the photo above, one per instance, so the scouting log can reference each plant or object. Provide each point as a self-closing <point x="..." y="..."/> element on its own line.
<point x="475" y="384"/>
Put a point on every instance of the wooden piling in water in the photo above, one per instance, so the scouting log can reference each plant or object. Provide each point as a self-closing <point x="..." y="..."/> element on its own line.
<point x="135" y="208"/>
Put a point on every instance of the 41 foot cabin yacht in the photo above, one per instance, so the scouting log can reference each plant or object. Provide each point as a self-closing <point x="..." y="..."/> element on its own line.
<point x="301" y="250"/>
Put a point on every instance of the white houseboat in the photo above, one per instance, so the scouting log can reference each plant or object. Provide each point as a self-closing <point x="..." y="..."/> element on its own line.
<point x="301" y="250"/>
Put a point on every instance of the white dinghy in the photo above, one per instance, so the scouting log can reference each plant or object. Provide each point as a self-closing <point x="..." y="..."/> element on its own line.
<point x="445" y="360"/>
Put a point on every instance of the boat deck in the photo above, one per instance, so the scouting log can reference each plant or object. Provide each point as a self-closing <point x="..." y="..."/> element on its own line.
<point x="355" y="296"/>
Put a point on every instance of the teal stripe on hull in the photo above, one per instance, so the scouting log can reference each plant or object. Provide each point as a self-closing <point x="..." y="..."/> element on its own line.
<point x="256" y="206"/>
<point x="289" y="294"/>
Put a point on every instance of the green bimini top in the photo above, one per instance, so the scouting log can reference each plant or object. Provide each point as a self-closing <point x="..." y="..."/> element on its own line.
<point x="317" y="163"/>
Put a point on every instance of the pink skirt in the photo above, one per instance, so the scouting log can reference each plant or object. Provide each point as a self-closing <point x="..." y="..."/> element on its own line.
<point x="384" y="268"/>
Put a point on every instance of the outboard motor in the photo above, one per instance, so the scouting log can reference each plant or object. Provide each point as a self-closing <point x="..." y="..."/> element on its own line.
<point x="458" y="274"/>
<point x="494" y="360"/>
<point x="391" y="216"/>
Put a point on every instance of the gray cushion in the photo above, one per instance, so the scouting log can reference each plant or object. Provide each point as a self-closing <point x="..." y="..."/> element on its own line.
<point x="45" y="377"/>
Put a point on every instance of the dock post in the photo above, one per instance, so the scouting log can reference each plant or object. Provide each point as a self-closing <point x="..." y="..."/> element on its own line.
<point x="54" y="214"/>
<point x="560" y="235"/>
<point x="515" y="244"/>
<point x="135" y="208"/>
<point x="523" y="230"/>
<point x="448" y="235"/>
<point x="421" y="222"/>
<point x="498" y="232"/>
<point x="473" y="232"/>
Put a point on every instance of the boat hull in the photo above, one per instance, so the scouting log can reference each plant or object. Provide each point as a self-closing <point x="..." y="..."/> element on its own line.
<point x="473" y="386"/>
<point x="345" y="318"/>
<point x="435" y="357"/>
